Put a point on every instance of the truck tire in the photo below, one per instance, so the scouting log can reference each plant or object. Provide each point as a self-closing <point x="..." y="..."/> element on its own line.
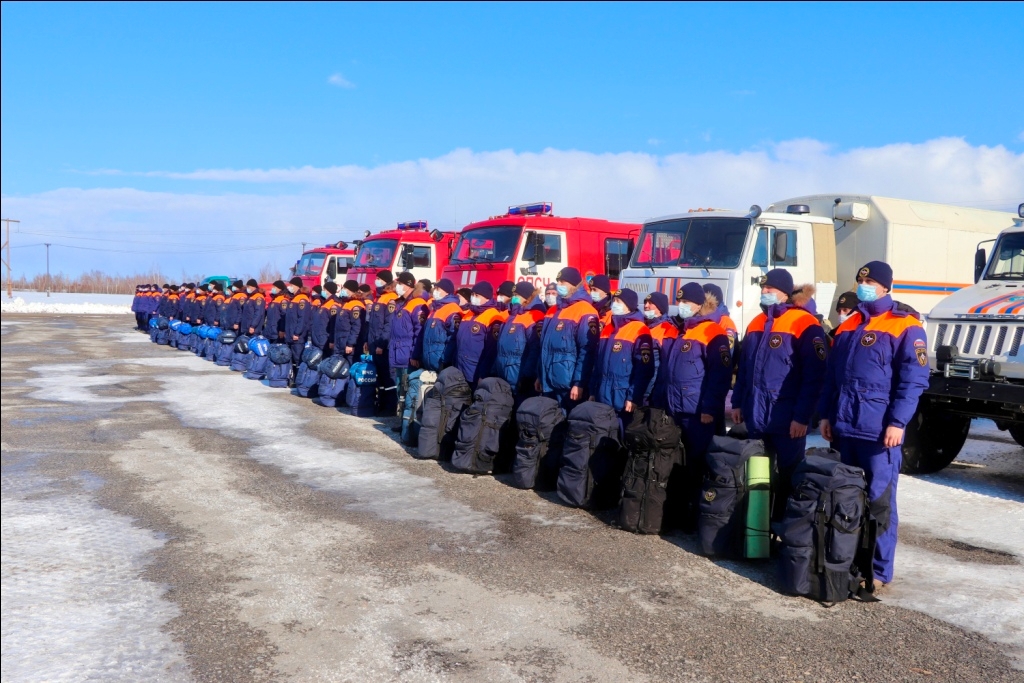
<point x="932" y="440"/>
<point x="1017" y="432"/>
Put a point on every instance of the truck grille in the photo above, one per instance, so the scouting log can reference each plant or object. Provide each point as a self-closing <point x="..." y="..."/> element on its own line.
<point x="993" y="339"/>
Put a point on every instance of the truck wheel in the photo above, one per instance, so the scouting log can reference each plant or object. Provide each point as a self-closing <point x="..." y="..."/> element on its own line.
<point x="932" y="440"/>
<point x="1017" y="432"/>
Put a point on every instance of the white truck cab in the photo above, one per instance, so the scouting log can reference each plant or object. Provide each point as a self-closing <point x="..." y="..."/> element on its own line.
<point x="976" y="339"/>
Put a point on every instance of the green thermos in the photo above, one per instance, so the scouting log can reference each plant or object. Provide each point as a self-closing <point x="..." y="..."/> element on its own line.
<point x="756" y="543"/>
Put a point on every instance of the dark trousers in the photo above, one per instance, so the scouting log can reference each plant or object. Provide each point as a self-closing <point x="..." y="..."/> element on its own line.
<point x="881" y="466"/>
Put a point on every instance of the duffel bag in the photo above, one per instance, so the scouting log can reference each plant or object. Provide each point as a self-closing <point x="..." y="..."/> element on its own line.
<point x="420" y="382"/>
<point x="280" y="354"/>
<point x="258" y="367"/>
<point x="259" y="345"/>
<point x="479" y="438"/>
<point x="653" y="458"/>
<point x="328" y="389"/>
<point x="311" y="356"/>
<point x="306" y="379"/>
<point x="591" y="472"/>
<point x="442" y="407"/>
<point x="735" y="499"/>
<point x="335" y="367"/>
<point x="539" y="448"/>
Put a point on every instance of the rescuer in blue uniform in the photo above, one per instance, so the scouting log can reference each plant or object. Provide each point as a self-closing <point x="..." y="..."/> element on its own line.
<point x="378" y="338"/>
<point x="476" y="342"/>
<point x="779" y="376"/>
<point x="441" y="326"/>
<point x="519" y="341"/>
<point x="601" y="296"/>
<point x="325" y="320"/>
<point x="625" y="358"/>
<point x="254" y="310"/>
<point x="877" y="372"/>
<point x="273" y="328"/>
<point x="569" y="342"/>
<point x="406" y="334"/>
<point x="350" y="329"/>
<point x="503" y="297"/>
<point x="297" y="319"/>
<point x="231" y="312"/>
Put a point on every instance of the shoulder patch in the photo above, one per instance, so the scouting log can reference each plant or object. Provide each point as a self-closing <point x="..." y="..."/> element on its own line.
<point x="334" y="310"/>
<point x="356" y="312"/>
<point x="723" y="352"/>
<point x="391" y="307"/>
<point x="645" y="355"/>
<point x="594" y="326"/>
<point x="819" y="348"/>
<point x="922" y="356"/>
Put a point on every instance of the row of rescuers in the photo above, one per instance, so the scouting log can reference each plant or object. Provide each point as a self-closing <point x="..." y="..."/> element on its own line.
<point x="578" y="341"/>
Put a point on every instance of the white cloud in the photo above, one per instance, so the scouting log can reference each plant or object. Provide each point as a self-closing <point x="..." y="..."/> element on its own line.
<point x="339" y="202"/>
<point x="340" y="81"/>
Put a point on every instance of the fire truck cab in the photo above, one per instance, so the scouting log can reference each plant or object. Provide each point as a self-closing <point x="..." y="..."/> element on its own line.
<point x="409" y="247"/>
<point x="324" y="264"/>
<point x="530" y="243"/>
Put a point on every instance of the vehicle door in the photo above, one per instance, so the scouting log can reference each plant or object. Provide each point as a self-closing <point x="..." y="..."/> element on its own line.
<point x="544" y="253"/>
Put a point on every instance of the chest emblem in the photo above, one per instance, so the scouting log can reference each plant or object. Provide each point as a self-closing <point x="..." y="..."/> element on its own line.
<point x="476" y="328"/>
<point x="560" y="326"/>
<point x="616" y="347"/>
<point x="868" y="339"/>
<point x="775" y="341"/>
<point x="686" y="346"/>
<point x="512" y="329"/>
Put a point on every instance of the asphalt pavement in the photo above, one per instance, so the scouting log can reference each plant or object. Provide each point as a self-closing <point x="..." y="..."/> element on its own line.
<point x="167" y="519"/>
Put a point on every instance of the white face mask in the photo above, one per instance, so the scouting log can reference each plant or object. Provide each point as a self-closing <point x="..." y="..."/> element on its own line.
<point x="619" y="308"/>
<point x="478" y="300"/>
<point x="380" y="283"/>
<point x="649" y="314"/>
<point x="251" y="290"/>
<point x="438" y="295"/>
<point x="551" y="299"/>
<point x="401" y="290"/>
<point x="293" y="289"/>
<point x="502" y="299"/>
<point x="843" y="317"/>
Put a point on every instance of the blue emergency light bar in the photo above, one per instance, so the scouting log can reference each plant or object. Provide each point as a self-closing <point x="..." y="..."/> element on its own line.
<point x="413" y="225"/>
<point x="535" y="209"/>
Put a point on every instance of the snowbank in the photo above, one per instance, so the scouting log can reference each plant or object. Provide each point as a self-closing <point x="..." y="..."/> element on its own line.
<point x="68" y="304"/>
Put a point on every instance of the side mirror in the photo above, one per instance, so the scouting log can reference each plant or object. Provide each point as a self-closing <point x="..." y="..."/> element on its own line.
<point x="407" y="257"/>
<point x="980" y="259"/>
<point x="780" y="246"/>
<point x="538" y="249"/>
<point x="332" y="269"/>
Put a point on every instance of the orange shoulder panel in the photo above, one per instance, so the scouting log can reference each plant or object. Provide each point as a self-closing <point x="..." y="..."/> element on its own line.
<point x="632" y="331"/>
<point x="705" y="332"/>
<point x="387" y="297"/>
<point x="531" y="317"/>
<point x="850" y="324"/>
<point x="892" y="324"/>
<point x="757" y="324"/>
<point x="413" y="304"/>
<point x="795" y="321"/>
<point x="729" y="324"/>
<point x="664" y="330"/>
<point x="446" y="310"/>
<point x="576" y="311"/>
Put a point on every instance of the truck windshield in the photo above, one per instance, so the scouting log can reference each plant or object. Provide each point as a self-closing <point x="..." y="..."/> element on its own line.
<point x="693" y="242"/>
<point x="380" y="253"/>
<point x="487" y="245"/>
<point x="1008" y="259"/>
<point x="310" y="264"/>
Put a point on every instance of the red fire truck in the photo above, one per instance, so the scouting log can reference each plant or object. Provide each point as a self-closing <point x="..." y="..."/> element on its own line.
<point x="408" y="247"/>
<point x="324" y="264"/>
<point x="530" y="243"/>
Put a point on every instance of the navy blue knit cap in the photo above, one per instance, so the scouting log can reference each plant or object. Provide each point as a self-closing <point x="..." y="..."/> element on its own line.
<point x="879" y="271"/>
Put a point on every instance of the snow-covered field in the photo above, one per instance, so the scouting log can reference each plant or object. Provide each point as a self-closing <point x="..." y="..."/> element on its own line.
<point x="62" y="302"/>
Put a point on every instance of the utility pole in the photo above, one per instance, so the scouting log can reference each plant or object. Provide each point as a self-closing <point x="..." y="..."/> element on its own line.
<point x="47" y="269"/>
<point x="304" y="247"/>
<point x="7" y="245"/>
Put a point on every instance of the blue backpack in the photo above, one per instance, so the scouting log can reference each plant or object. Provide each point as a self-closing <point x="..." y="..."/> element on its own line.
<point x="260" y="346"/>
<point x="365" y="371"/>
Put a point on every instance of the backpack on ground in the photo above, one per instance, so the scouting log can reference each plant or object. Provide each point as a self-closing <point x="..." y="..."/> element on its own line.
<point x="653" y="466"/>
<point x="240" y="354"/>
<point x="334" y="377"/>
<point x="225" y="349"/>
<point x="420" y="383"/>
<point x="279" y="372"/>
<point x="478" y="443"/>
<point x="735" y="499"/>
<point x="592" y="462"/>
<point x="824" y="546"/>
<point x="306" y="380"/>
<point x="361" y="391"/>
<point x="542" y="426"/>
<point x="257" y="367"/>
<point x="442" y="407"/>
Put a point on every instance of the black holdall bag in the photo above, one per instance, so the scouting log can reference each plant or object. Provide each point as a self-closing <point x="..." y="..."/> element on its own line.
<point x="335" y="367"/>
<point x="722" y="517"/>
<point x="828" y="532"/>
<point x="311" y="356"/>
<point x="479" y="439"/>
<point x="654" y="459"/>
<point x="242" y="344"/>
<point x="592" y="463"/>
<point x="240" y="354"/>
<point x="441" y="409"/>
<point x="541" y="425"/>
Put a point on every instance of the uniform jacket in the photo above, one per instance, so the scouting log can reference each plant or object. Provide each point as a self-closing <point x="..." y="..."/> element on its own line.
<point x="406" y="331"/>
<point x="695" y="370"/>
<point x="254" y="313"/>
<point x="169" y="306"/>
<point x="379" y="319"/>
<point x="298" y="318"/>
<point x="877" y="371"/>
<point x="518" y="350"/>
<point x="211" y="309"/>
<point x="439" y="334"/>
<point x="781" y="370"/>
<point x="231" y="312"/>
<point x="568" y="344"/>
<point x="350" y="328"/>
<point x="273" y="328"/>
<point x="625" y="362"/>
<point x="325" y="320"/>
<point x="476" y="342"/>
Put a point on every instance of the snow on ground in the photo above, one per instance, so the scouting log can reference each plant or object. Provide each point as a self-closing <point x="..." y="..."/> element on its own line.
<point x="277" y="430"/>
<point x="72" y="568"/>
<point x="69" y="304"/>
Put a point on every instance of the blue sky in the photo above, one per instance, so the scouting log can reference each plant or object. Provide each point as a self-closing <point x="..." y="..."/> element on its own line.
<point x="140" y="97"/>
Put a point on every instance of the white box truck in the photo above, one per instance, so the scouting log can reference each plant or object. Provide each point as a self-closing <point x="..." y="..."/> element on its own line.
<point x="821" y="239"/>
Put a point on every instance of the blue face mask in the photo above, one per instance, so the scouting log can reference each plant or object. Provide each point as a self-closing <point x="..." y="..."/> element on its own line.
<point x="650" y="315"/>
<point x="866" y="292"/>
<point x="619" y="308"/>
<point x="563" y="290"/>
<point x="516" y="300"/>
<point x="769" y="299"/>
<point x="685" y="312"/>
